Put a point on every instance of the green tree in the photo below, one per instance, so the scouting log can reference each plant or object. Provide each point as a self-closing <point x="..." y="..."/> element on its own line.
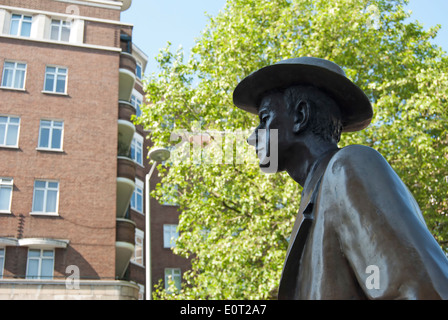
<point x="236" y="220"/>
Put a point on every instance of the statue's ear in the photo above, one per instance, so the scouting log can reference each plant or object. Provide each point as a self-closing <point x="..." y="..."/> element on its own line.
<point x="301" y="115"/>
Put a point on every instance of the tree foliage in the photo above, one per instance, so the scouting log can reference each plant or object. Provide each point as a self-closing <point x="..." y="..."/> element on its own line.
<point x="235" y="220"/>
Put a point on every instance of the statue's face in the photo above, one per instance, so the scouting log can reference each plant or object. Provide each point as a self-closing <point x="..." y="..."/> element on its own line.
<point x="272" y="137"/>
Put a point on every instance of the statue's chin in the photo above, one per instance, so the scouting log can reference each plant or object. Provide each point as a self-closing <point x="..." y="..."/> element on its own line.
<point x="268" y="168"/>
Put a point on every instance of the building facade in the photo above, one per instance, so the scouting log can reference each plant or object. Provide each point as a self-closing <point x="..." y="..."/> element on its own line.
<point x="73" y="164"/>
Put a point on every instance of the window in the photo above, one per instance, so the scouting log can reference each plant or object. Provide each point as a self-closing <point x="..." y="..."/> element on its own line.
<point x="2" y="261"/>
<point x="170" y="235"/>
<point x="14" y="75"/>
<point x="50" y="135"/>
<point x="60" y="30"/>
<point x="20" y="25"/>
<point x="45" y="199"/>
<point x="40" y="264"/>
<point x="138" y="70"/>
<point x="136" y="101"/>
<point x="6" y="186"/>
<point x="138" y="252"/>
<point x="172" y="276"/>
<point x="137" y="196"/>
<point x="137" y="149"/>
<point x="9" y="131"/>
<point x="170" y="197"/>
<point x="55" y="79"/>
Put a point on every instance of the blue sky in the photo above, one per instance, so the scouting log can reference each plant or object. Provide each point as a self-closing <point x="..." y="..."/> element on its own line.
<point x="181" y="21"/>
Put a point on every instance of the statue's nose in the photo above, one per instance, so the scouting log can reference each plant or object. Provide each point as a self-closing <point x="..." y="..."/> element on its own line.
<point x="252" y="140"/>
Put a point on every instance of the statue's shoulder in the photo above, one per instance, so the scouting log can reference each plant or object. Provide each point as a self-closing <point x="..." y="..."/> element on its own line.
<point x="356" y="151"/>
<point x="356" y="157"/>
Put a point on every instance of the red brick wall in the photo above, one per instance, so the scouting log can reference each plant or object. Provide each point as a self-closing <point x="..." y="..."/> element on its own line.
<point x="101" y="34"/>
<point x="61" y="7"/>
<point x="86" y="170"/>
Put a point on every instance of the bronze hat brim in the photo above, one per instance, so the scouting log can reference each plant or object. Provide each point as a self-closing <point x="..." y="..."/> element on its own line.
<point x="355" y="107"/>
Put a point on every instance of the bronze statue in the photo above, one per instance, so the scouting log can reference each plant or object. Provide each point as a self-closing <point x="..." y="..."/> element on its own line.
<point x="359" y="233"/>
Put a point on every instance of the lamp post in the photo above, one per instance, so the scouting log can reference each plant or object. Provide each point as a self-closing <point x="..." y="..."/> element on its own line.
<point x="156" y="155"/>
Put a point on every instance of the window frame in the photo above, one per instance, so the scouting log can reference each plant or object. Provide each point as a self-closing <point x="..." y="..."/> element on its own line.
<point x="171" y="272"/>
<point x="7" y="125"/>
<point x="55" y="81"/>
<point x="52" y="127"/>
<point x="40" y="260"/>
<point x="139" y="186"/>
<point x="15" y="70"/>
<point x="60" y="24"/>
<point x="171" y="229"/>
<point x="137" y="139"/>
<point x="44" y="202"/>
<point x="137" y="101"/>
<point x="139" y="235"/>
<point x="138" y="74"/>
<point x="9" y="185"/>
<point x="21" y="21"/>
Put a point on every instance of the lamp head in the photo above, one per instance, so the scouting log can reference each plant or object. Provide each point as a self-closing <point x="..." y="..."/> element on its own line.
<point x="159" y="154"/>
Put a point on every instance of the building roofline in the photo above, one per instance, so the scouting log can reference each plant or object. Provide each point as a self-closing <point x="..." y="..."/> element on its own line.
<point x="65" y="15"/>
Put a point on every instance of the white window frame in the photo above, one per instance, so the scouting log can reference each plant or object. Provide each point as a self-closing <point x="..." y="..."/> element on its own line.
<point x="20" y="21"/>
<point x="137" y="101"/>
<point x="2" y="261"/>
<point x="139" y="75"/>
<point x="139" y="190"/>
<point x="52" y="127"/>
<point x="7" y="183"/>
<point x="137" y="145"/>
<point x="56" y="74"/>
<point x="8" y="125"/>
<point x="139" y="257"/>
<point x="15" y="69"/>
<point x="46" y="189"/>
<point x="60" y="24"/>
<point x="40" y="259"/>
<point x="173" y="273"/>
<point x="170" y="235"/>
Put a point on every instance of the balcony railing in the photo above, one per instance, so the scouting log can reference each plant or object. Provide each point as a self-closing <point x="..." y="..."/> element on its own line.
<point x="125" y="184"/>
<point x="128" y="62"/>
<point x="126" y="128"/>
<point x="127" y="76"/>
<point x="124" y="245"/>
<point x="125" y="231"/>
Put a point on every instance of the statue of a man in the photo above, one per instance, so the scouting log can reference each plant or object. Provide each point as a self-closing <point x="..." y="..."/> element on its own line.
<point x="359" y="233"/>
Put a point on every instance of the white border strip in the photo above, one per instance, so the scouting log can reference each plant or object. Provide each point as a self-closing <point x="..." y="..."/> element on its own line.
<point x="81" y="45"/>
<point x="115" y="5"/>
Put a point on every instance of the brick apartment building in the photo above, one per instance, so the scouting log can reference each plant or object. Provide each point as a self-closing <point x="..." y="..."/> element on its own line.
<point x="72" y="163"/>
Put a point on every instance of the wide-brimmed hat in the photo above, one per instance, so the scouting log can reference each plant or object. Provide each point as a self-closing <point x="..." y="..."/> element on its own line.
<point x="325" y="75"/>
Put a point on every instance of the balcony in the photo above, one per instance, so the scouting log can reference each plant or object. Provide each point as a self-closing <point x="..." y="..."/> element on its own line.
<point x="125" y="184"/>
<point x="124" y="245"/>
<point x="126" y="128"/>
<point x="127" y="75"/>
<point x="60" y="289"/>
<point x="126" y="5"/>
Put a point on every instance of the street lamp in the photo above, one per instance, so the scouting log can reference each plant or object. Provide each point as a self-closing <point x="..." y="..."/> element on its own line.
<point x="156" y="155"/>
